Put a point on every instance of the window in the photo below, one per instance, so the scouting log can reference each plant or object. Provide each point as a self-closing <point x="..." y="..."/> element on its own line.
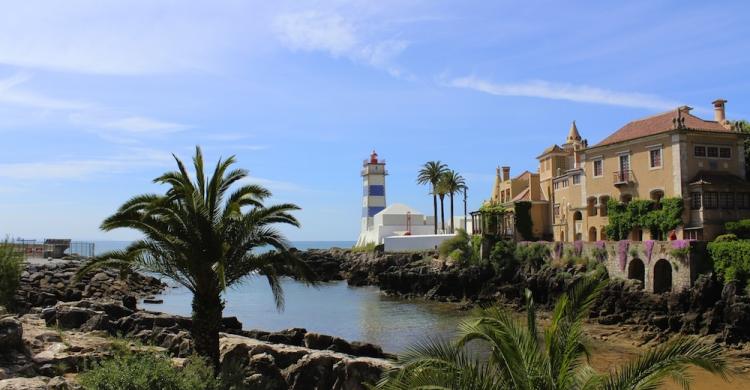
<point x="695" y="200"/>
<point x="743" y="200"/>
<point x="726" y="200"/>
<point x="712" y="151"/>
<point x="556" y="185"/>
<point x="576" y="179"/>
<point x="710" y="200"/>
<point x="556" y="209"/>
<point x="700" y="151"/>
<point x="655" y="158"/>
<point x="725" y="152"/>
<point x="565" y="183"/>
<point x="598" y="168"/>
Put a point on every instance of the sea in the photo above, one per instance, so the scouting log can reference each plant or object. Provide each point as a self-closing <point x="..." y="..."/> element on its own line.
<point x="334" y="308"/>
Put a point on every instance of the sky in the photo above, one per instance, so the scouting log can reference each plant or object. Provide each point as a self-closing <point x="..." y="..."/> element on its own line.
<point x="95" y="96"/>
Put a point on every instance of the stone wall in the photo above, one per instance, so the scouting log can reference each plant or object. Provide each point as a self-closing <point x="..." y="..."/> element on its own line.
<point x="660" y="265"/>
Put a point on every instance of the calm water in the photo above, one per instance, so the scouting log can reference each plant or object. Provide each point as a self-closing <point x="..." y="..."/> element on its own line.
<point x="353" y="313"/>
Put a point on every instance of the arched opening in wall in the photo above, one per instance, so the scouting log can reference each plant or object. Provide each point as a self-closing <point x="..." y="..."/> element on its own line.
<point x="591" y="206"/>
<point x="592" y="234"/>
<point x="637" y="271"/>
<point x="626" y="198"/>
<point x="603" y="205"/>
<point x="657" y="195"/>
<point x="662" y="276"/>
<point x="578" y="225"/>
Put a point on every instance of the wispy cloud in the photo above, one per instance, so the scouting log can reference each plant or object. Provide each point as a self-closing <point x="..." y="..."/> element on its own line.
<point x="83" y="169"/>
<point x="339" y="37"/>
<point x="10" y="93"/>
<point x="139" y="124"/>
<point x="564" y="91"/>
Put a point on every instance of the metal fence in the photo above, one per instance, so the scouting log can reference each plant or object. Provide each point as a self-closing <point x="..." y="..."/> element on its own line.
<point x="55" y="248"/>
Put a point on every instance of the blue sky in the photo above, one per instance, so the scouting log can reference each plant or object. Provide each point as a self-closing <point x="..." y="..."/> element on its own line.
<point x="95" y="95"/>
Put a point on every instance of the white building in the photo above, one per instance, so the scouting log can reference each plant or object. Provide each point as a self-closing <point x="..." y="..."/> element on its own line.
<point x="379" y="221"/>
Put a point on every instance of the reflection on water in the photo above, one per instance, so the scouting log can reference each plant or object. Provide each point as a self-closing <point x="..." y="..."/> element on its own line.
<point x="352" y="313"/>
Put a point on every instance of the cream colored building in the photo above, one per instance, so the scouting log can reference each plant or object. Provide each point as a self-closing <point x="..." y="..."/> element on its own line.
<point x="525" y="187"/>
<point x="672" y="154"/>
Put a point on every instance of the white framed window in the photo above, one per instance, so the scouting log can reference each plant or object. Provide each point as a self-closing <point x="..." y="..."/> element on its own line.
<point x="598" y="168"/>
<point x="712" y="151"/>
<point x="654" y="158"/>
<point x="576" y="179"/>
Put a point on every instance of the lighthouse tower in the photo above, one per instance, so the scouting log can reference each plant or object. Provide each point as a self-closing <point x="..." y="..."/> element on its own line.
<point x="373" y="197"/>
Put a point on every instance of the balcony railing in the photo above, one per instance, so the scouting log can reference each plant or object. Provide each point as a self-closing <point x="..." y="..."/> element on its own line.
<point x="623" y="177"/>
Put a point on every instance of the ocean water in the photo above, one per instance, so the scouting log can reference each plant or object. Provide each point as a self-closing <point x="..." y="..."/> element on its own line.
<point x="352" y="313"/>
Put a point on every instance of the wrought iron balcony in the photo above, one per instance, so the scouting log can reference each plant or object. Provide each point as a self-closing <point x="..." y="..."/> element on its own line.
<point x="623" y="177"/>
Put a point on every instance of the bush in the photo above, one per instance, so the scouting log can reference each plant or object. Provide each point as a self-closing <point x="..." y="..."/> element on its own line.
<point x="726" y="237"/>
<point x="476" y="248"/>
<point x="503" y="258"/>
<point x="740" y="228"/>
<point x="459" y="242"/>
<point x="148" y="371"/>
<point x="731" y="259"/>
<point x="11" y="267"/>
<point x="532" y="255"/>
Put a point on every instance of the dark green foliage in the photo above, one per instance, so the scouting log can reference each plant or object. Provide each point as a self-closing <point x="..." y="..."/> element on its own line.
<point x="532" y="255"/>
<point x="503" y="258"/>
<point x="11" y="267"/>
<point x="148" y="371"/>
<point x="739" y="228"/>
<point x="659" y="218"/>
<point x="743" y="126"/>
<point x="431" y="173"/>
<point x="476" y="248"/>
<point x="456" y="248"/>
<point x="524" y="223"/>
<point x="731" y="259"/>
<point x="726" y="237"/>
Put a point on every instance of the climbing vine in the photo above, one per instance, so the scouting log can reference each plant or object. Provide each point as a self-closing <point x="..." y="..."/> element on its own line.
<point x="659" y="218"/>
<point x="524" y="223"/>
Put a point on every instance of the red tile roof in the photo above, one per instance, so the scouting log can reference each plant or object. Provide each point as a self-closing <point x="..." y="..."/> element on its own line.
<point x="661" y="123"/>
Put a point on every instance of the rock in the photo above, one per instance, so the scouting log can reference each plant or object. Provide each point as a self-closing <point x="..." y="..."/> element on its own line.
<point x="130" y="302"/>
<point x="314" y="371"/>
<point x="355" y="374"/>
<point x="58" y="383"/>
<point x="37" y="383"/>
<point x="231" y="323"/>
<point x="318" y="341"/>
<point x="11" y="335"/>
<point x="97" y="322"/>
<point x="153" y="301"/>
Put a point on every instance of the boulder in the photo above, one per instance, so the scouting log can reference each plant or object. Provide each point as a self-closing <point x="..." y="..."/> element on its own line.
<point x="36" y="383"/>
<point x="11" y="335"/>
<point x="314" y="371"/>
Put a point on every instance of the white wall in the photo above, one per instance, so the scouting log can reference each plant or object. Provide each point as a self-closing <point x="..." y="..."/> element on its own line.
<point x="414" y="243"/>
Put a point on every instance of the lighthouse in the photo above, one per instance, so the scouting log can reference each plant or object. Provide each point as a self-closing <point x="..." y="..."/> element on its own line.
<point x="373" y="197"/>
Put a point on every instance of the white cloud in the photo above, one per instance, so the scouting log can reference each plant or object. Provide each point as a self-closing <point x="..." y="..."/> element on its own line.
<point x="138" y="124"/>
<point x="339" y="37"/>
<point x="82" y="169"/>
<point x="11" y="94"/>
<point x="563" y="91"/>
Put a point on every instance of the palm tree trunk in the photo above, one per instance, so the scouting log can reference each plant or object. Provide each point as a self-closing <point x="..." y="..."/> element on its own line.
<point x="207" y="313"/>
<point x="452" y="230"/>
<point x="442" y="213"/>
<point x="434" y="208"/>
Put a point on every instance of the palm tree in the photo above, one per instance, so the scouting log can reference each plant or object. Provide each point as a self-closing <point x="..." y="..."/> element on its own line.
<point x="203" y="239"/>
<point x="430" y="174"/>
<point x="453" y="183"/>
<point x="521" y="358"/>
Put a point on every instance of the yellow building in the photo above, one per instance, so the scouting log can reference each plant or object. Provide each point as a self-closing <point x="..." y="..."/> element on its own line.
<point x="672" y="154"/>
<point x="525" y="187"/>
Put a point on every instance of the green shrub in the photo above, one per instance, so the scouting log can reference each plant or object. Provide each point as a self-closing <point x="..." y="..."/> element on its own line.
<point x="148" y="371"/>
<point x="11" y="267"/>
<point x="532" y="255"/>
<point x="739" y="228"/>
<point x="476" y="248"/>
<point x="731" y="259"/>
<point x="503" y="258"/>
<point x="459" y="242"/>
<point x="726" y="237"/>
<point x="367" y="248"/>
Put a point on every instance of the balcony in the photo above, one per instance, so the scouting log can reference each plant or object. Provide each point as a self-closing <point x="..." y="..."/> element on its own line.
<point x="623" y="177"/>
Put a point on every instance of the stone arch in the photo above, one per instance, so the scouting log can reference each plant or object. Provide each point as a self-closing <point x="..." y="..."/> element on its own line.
<point x="577" y="226"/>
<point x="592" y="234"/>
<point x="637" y="270"/>
<point x="662" y="276"/>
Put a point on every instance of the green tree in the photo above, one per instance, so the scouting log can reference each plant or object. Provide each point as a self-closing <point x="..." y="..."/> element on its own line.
<point x="743" y="126"/>
<point x="453" y="183"/>
<point x="520" y="357"/>
<point x="202" y="237"/>
<point x="430" y="174"/>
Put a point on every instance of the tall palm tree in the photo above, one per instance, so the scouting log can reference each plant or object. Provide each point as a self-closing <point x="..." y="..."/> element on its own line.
<point x="520" y="359"/>
<point x="202" y="237"/>
<point x="453" y="183"/>
<point x="430" y="174"/>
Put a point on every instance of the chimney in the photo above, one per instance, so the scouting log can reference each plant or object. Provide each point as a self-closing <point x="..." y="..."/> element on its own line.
<point x="719" y="112"/>
<point x="506" y="173"/>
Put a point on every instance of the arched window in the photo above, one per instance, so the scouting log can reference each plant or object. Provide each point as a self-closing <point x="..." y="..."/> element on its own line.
<point x="592" y="234"/>
<point x="636" y="270"/>
<point x="657" y="195"/>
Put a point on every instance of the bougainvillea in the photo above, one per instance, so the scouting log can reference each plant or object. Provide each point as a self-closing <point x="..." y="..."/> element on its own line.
<point x="649" y="245"/>
<point x="578" y="247"/>
<point x="680" y="249"/>
<point x="599" y="251"/>
<point x="622" y="253"/>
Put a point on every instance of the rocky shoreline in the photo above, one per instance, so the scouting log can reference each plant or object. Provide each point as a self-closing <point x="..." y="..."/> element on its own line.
<point x="64" y="327"/>
<point x="709" y="308"/>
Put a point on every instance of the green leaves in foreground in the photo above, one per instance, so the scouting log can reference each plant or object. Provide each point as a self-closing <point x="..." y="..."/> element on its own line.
<point x="521" y="357"/>
<point x="11" y="267"/>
